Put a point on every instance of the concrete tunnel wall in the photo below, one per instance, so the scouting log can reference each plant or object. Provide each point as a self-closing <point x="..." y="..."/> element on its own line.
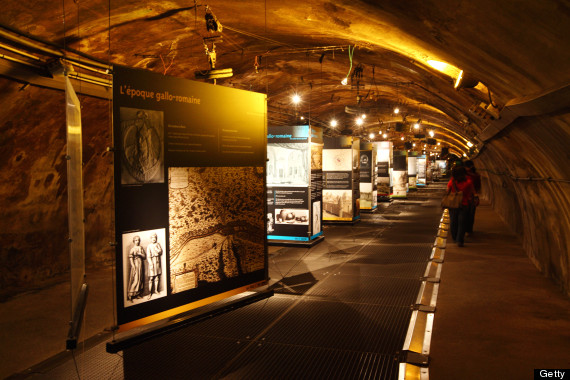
<point x="33" y="226"/>
<point x="537" y="210"/>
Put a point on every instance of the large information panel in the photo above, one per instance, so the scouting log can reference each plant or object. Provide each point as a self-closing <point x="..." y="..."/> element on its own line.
<point x="189" y="193"/>
<point x="368" y="174"/>
<point x="341" y="179"/>
<point x="294" y="183"/>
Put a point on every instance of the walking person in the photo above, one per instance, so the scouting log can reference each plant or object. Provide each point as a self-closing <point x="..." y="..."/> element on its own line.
<point x="459" y="217"/>
<point x="476" y="179"/>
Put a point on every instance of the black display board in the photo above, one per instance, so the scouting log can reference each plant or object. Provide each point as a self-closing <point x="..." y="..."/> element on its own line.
<point x="368" y="175"/>
<point x="384" y="169"/>
<point x="294" y="183"/>
<point x="400" y="174"/>
<point x="341" y="179"/>
<point x="189" y="193"/>
<point x="413" y="170"/>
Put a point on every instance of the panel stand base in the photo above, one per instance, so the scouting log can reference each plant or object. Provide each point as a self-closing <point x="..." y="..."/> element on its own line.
<point x="296" y="243"/>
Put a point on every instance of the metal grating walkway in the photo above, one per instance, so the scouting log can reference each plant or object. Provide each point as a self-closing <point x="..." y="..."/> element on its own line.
<point x="341" y="311"/>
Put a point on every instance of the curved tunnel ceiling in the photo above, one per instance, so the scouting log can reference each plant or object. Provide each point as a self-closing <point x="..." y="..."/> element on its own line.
<point x="404" y="54"/>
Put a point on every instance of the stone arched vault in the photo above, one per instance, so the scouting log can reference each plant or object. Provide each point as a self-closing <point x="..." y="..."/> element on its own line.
<point x="517" y="115"/>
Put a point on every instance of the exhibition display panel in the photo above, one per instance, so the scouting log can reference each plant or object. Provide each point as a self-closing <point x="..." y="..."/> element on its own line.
<point x="368" y="174"/>
<point x="189" y="194"/>
<point x="341" y="179"/>
<point x="400" y="174"/>
<point x="422" y="170"/>
<point x="294" y="184"/>
<point x="384" y="170"/>
<point x="413" y="171"/>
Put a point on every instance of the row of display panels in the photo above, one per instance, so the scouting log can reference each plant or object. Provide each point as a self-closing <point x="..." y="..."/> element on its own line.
<point x="196" y="200"/>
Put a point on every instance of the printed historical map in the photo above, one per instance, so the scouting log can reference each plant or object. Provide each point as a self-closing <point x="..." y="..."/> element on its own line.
<point x="217" y="224"/>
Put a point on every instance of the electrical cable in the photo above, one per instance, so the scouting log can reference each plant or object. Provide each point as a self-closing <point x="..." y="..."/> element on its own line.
<point x="110" y="113"/>
<point x="531" y="179"/>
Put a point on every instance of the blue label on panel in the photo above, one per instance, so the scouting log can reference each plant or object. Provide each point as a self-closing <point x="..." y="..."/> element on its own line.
<point x="297" y="238"/>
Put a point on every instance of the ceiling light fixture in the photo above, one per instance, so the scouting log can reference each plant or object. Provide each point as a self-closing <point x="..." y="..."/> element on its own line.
<point x="431" y="133"/>
<point x="469" y="144"/>
<point x="359" y="121"/>
<point x="344" y="82"/>
<point x="372" y="135"/>
<point x="396" y="110"/>
<point x="334" y="123"/>
<point x="296" y="99"/>
<point x="465" y="80"/>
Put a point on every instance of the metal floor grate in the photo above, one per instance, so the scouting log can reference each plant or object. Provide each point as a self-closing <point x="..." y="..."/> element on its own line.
<point x="341" y="311"/>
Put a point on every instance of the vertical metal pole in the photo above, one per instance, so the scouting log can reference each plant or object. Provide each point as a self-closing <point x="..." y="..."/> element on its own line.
<point x="75" y="192"/>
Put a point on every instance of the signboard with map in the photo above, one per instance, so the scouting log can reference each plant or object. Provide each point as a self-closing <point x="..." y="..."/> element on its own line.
<point x="189" y="193"/>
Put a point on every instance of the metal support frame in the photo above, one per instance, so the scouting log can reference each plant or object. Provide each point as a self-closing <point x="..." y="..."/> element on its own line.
<point x="75" y="324"/>
<point x="184" y="321"/>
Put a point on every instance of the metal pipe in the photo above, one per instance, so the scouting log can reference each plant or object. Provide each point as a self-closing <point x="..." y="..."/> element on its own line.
<point x="18" y="51"/>
<point x="16" y="37"/>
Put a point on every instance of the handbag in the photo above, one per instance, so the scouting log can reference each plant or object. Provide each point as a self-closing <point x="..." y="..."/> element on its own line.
<point x="453" y="198"/>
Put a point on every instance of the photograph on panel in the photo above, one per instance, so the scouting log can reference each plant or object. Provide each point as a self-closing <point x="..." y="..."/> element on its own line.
<point x="217" y="224"/>
<point x="270" y="223"/>
<point x="316" y="217"/>
<point x="144" y="265"/>
<point x="337" y="203"/>
<point x="291" y="216"/>
<point x="288" y="164"/>
<point x="316" y="157"/>
<point x="142" y="153"/>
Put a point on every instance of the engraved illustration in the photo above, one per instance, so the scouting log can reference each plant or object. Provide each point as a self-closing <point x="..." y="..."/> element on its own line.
<point x="288" y="164"/>
<point x="217" y="224"/>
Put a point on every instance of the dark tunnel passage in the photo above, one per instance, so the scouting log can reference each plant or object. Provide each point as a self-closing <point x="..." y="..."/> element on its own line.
<point x="514" y="123"/>
<point x="487" y="81"/>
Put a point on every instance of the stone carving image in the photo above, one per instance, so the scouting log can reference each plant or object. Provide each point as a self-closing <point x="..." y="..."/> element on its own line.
<point x="142" y="156"/>
<point x="217" y="224"/>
